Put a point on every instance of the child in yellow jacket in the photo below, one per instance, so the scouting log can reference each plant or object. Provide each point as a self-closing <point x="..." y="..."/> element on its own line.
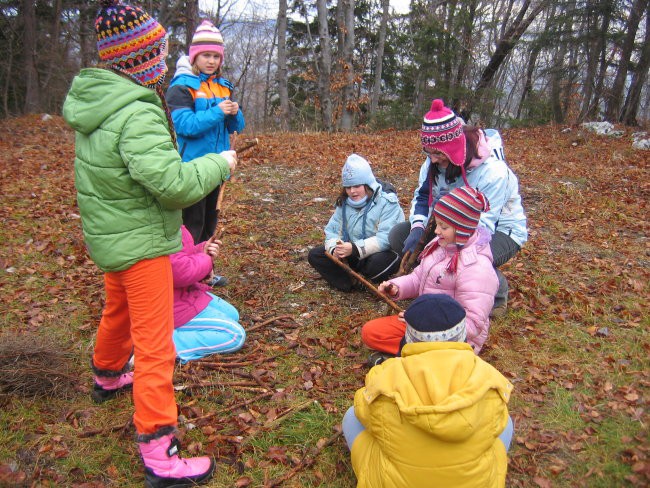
<point x="437" y="415"/>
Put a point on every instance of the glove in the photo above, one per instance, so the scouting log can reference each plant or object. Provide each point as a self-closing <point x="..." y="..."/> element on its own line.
<point x="412" y="239"/>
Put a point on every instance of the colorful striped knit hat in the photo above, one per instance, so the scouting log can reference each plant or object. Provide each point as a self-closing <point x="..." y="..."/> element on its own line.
<point x="206" y="38"/>
<point x="461" y="208"/>
<point x="442" y="131"/>
<point x="132" y="42"/>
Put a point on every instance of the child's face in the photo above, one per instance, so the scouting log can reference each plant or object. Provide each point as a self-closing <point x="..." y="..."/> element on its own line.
<point x="436" y="157"/>
<point x="356" y="192"/>
<point x="208" y="62"/>
<point x="445" y="232"/>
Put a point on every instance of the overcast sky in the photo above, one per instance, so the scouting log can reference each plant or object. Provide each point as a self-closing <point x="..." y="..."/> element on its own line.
<point x="270" y="7"/>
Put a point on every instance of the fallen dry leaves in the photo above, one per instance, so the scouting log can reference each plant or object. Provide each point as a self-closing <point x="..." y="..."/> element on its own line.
<point x="577" y="331"/>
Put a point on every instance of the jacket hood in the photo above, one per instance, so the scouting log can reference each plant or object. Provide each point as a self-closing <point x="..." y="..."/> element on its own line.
<point x="96" y="94"/>
<point x="183" y="67"/>
<point x="445" y="405"/>
<point x="184" y="74"/>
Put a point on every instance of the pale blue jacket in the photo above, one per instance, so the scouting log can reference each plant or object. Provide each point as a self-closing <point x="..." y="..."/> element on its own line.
<point x="381" y="214"/>
<point x="494" y="178"/>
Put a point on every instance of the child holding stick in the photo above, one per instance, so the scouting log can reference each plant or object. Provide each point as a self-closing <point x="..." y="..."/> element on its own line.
<point x="131" y="185"/>
<point x="358" y="229"/>
<point x="204" y="115"/>
<point x="458" y="263"/>
<point x="457" y="155"/>
<point x="204" y="324"/>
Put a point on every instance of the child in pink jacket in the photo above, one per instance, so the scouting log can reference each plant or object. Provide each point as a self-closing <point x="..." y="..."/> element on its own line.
<point x="203" y="323"/>
<point x="458" y="263"/>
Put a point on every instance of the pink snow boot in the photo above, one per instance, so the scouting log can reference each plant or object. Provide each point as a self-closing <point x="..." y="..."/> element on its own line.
<point x="165" y="469"/>
<point x="106" y="387"/>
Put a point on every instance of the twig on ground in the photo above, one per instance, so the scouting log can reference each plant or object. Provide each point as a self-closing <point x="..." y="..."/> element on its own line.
<point x="234" y="407"/>
<point x="307" y="461"/>
<point x="287" y="413"/>
<point x="107" y="430"/>
<point x="269" y="321"/>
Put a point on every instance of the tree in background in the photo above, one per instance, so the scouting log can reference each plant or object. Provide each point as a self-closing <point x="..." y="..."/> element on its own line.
<point x="341" y="64"/>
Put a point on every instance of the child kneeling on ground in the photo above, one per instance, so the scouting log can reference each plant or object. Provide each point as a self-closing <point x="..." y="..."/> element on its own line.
<point x="204" y="324"/>
<point x="458" y="263"/>
<point x="437" y="415"/>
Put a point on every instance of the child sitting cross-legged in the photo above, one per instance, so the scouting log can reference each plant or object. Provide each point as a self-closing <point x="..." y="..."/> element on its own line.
<point x="458" y="263"/>
<point x="437" y="415"/>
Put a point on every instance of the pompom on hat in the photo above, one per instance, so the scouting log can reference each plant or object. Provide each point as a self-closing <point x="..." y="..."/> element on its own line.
<point x="442" y="130"/>
<point x="461" y="209"/>
<point x="357" y="171"/>
<point x="207" y="38"/>
<point x="435" y="317"/>
<point x="132" y="42"/>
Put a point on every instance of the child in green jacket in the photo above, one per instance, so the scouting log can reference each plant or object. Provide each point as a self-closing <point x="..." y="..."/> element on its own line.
<point x="131" y="187"/>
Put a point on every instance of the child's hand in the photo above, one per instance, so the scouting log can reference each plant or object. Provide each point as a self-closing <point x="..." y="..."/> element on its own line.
<point x="388" y="288"/>
<point x="229" y="107"/>
<point x="343" y="249"/>
<point x="400" y="317"/>
<point x="231" y="157"/>
<point x="211" y="247"/>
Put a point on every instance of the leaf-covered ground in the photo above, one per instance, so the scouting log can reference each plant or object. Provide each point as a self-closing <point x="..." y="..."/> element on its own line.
<point x="575" y="341"/>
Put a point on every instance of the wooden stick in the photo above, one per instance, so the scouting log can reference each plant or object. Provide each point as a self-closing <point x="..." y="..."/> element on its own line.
<point x="410" y="258"/>
<point x="246" y="145"/>
<point x="234" y="407"/>
<point x="307" y="461"/>
<point x="269" y="321"/>
<point x="369" y="285"/>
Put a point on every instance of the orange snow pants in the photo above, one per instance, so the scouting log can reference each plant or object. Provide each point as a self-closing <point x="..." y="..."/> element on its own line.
<point x="383" y="334"/>
<point x="139" y="316"/>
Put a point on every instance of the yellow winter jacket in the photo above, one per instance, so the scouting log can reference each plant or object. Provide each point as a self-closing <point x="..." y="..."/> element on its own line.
<point x="432" y="419"/>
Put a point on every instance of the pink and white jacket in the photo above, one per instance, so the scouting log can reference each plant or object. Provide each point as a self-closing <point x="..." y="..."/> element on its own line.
<point x="190" y="265"/>
<point x="473" y="285"/>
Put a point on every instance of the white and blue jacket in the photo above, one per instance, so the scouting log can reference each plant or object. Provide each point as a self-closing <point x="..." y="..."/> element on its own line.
<point x="367" y="227"/>
<point x="494" y="178"/>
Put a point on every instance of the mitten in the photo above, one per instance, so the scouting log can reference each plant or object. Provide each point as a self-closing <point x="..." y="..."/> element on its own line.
<point x="412" y="239"/>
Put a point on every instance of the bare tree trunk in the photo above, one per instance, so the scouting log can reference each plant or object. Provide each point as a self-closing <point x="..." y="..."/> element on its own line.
<point x="282" y="76"/>
<point x="376" y="87"/>
<point x="505" y="45"/>
<point x="616" y="93"/>
<point x="192" y="20"/>
<point x="32" y="93"/>
<point x="591" y="46"/>
<point x="556" y="84"/>
<point x="593" y="108"/>
<point x="87" y="36"/>
<point x="324" y="65"/>
<point x="465" y="52"/>
<point x="347" y="115"/>
<point x="639" y="77"/>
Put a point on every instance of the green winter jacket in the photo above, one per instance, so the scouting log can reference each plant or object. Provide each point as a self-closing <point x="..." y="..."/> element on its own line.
<point x="131" y="184"/>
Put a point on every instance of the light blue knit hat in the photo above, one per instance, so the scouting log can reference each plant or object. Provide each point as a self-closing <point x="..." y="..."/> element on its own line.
<point x="357" y="171"/>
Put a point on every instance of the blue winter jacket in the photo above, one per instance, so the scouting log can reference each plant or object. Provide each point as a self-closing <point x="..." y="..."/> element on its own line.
<point x="381" y="214"/>
<point x="494" y="178"/>
<point x="201" y="126"/>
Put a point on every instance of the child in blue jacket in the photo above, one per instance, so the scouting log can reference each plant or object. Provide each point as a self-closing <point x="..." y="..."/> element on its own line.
<point x="204" y="116"/>
<point x="358" y="230"/>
